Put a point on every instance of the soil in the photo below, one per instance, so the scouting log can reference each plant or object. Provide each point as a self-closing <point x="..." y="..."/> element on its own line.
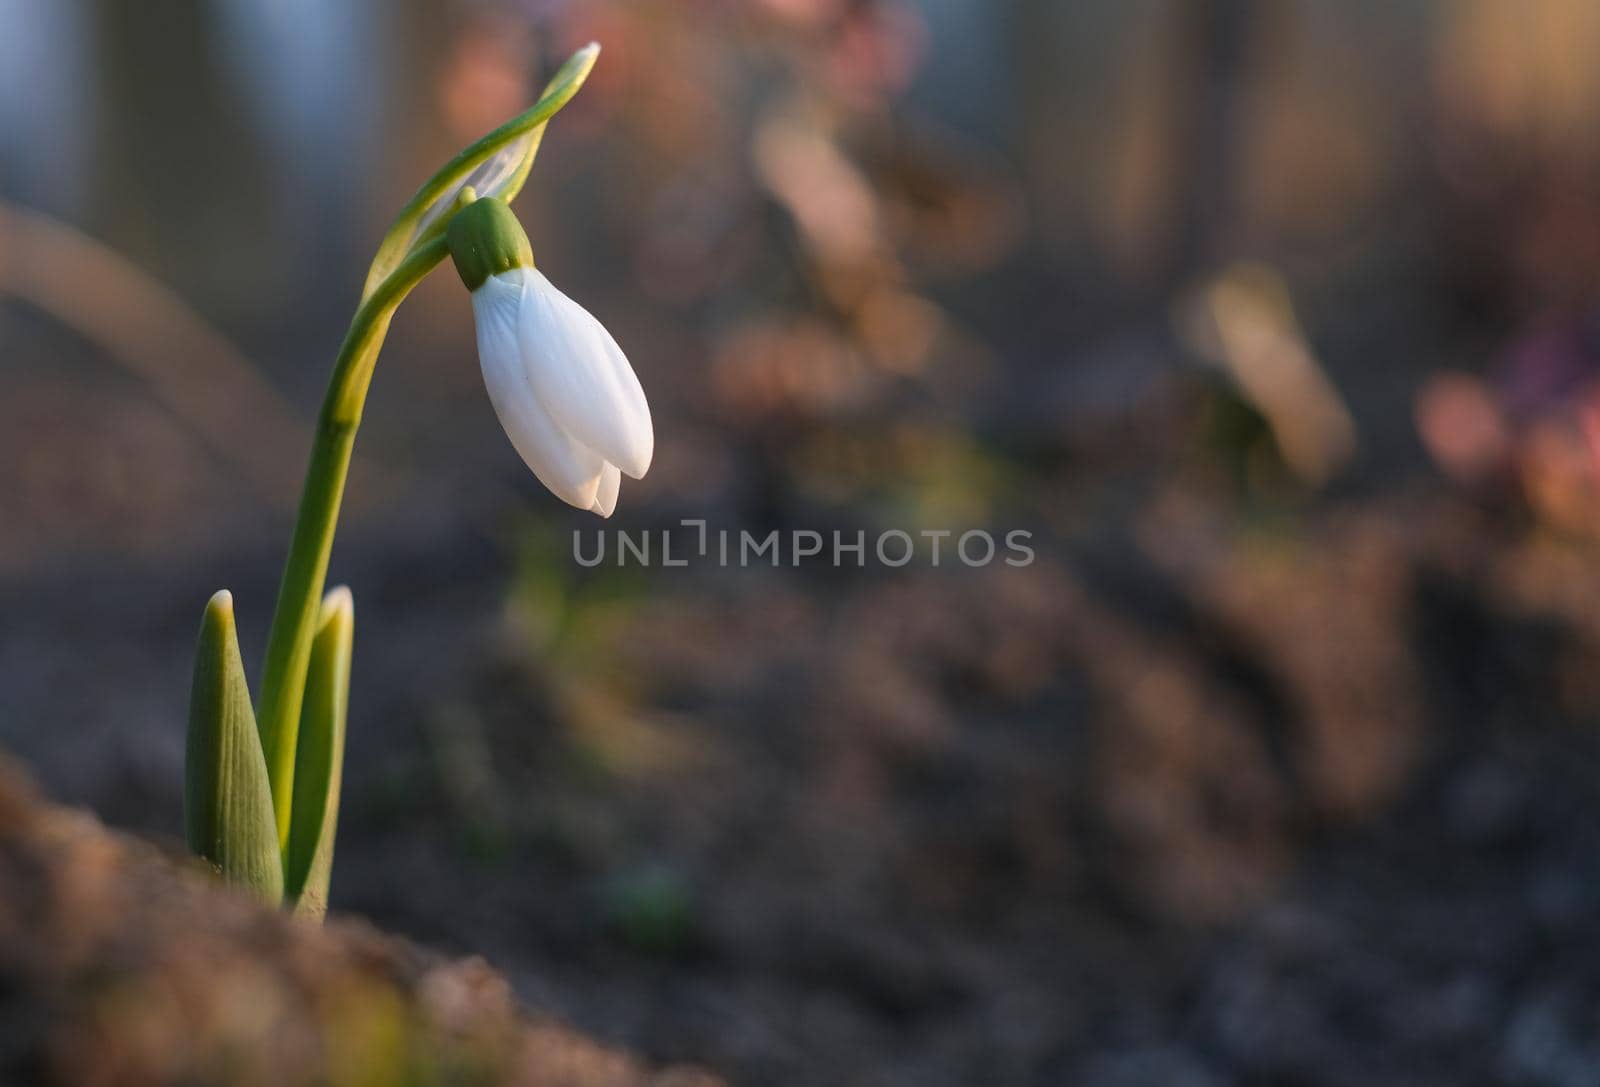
<point x="1283" y="802"/>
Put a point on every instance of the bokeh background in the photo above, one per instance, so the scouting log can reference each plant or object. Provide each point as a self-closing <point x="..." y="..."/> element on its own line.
<point x="1276" y="322"/>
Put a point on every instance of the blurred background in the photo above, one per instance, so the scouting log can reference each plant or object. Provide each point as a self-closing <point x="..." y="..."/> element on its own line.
<point x="1277" y="323"/>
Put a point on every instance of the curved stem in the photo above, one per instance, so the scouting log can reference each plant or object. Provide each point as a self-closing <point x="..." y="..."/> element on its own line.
<point x="283" y="678"/>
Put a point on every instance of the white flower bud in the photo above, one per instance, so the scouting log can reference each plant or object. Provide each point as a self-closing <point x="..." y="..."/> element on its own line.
<point x="562" y="388"/>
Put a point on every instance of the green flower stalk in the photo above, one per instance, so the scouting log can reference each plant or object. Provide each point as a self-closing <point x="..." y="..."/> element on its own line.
<point x="262" y="788"/>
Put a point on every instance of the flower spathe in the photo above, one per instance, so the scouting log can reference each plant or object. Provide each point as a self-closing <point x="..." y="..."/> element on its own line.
<point x="561" y="386"/>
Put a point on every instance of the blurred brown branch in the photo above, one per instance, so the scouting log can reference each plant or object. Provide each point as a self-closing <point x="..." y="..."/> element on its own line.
<point x="189" y="366"/>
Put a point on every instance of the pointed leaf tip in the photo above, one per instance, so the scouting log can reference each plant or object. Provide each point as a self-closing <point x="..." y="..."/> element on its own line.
<point x="338" y="602"/>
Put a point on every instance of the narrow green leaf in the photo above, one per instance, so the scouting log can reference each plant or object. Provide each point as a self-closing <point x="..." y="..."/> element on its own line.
<point x="319" y="758"/>
<point x="227" y="803"/>
<point x="497" y="165"/>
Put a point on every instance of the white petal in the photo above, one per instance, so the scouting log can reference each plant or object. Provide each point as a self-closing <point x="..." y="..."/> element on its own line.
<point x="605" y="499"/>
<point x="564" y="465"/>
<point x="584" y="379"/>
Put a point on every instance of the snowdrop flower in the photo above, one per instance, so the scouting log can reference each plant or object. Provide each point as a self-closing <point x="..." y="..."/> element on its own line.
<point x="262" y="776"/>
<point x="562" y="388"/>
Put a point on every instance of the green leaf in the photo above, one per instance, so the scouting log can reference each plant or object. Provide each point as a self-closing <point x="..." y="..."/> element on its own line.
<point x="227" y="803"/>
<point x="497" y="165"/>
<point x="319" y="758"/>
